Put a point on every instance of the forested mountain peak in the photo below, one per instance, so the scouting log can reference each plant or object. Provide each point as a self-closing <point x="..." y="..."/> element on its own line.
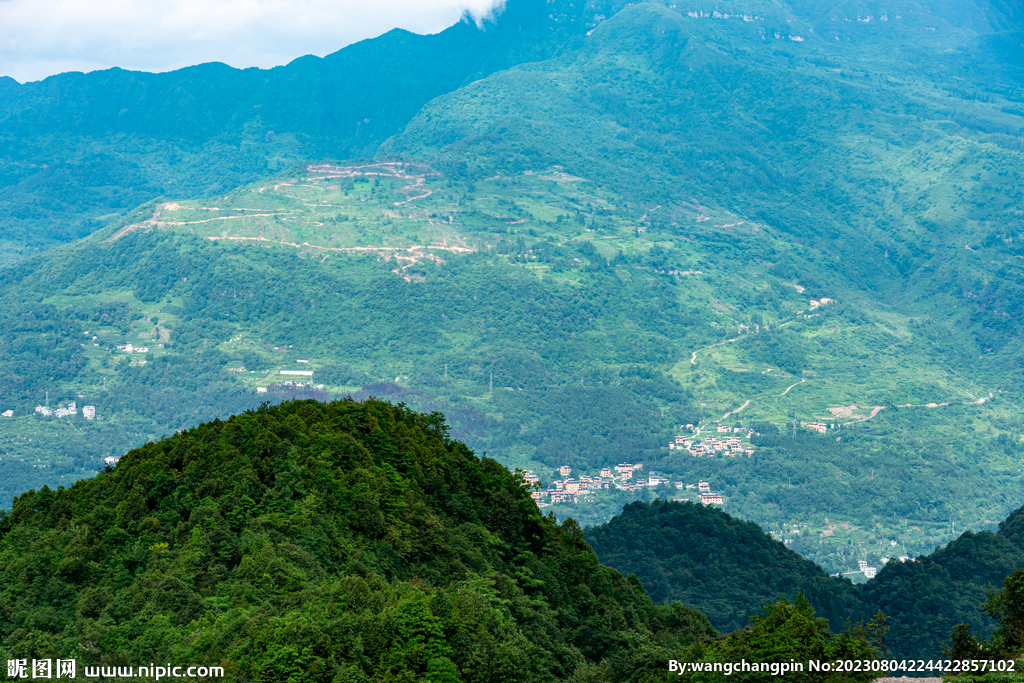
<point x="342" y="541"/>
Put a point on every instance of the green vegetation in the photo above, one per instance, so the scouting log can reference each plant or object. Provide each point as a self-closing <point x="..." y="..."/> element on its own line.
<point x="724" y="567"/>
<point x="545" y="340"/>
<point x="925" y="599"/>
<point x="661" y="217"/>
<point x="342" y="542"/>
<point x="78" y="150"/>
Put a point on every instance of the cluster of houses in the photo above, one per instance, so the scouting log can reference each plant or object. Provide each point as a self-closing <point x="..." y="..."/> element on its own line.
<point x="712" y="445"/>
<point x="567" y="490"/>
<point x="89" y="412"/>
<point x="704" y="493"/>
<point x="819" y="427"/>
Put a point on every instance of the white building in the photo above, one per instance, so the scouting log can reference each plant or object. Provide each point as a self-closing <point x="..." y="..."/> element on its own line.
<point x="89" y="412"/>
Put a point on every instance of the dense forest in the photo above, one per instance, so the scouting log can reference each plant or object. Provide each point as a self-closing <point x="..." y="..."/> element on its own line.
<point x="725" y="567"/>
<point x="344" y="542"/>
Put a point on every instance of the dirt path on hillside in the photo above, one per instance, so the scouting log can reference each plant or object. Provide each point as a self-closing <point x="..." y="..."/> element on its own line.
<point x="412" y="253"/>
<point x="391" y="169"/>
<point x="733" y="412"/>
<point x="791" y="386"/>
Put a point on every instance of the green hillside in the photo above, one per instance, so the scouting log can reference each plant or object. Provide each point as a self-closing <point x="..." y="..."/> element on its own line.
<point x="341" y="542"/>
<point x="726" y="568"/>
<point x="661" y="217"/>
<point x="722" y="566"/>
<point x="540" y="314"/>
<point x="927" y="598"/>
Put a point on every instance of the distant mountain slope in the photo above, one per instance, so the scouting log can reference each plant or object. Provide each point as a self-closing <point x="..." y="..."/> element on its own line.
<point x="554" y="321"/>
<point x="722" y="566"/>
<point x="905" y="180"/>
<point x="78" y="148"/>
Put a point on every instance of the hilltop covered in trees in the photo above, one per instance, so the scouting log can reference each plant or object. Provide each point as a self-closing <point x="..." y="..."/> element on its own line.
<point x="336" y="542"/>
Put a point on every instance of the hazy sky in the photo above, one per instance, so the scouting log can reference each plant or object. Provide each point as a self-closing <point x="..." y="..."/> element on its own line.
<point x="39" y="38"/>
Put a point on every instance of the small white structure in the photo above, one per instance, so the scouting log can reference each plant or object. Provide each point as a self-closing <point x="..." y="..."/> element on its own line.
<point x="44" y="411"/>
<point x="261" y="390"/>
<point x="89" y="412"/>
<point x="7" y="413"/>
<point x="128" y="348"/>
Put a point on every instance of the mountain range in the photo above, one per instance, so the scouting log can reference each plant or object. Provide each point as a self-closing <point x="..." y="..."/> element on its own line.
<point x="573" y="231"/>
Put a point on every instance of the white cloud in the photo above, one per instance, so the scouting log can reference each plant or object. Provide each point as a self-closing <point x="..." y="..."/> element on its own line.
<point x="39" y="38"/>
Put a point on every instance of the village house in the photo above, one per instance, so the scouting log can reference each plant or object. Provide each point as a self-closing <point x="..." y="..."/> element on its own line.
<point x="819" y="427"/>
<point x="530" y="478"/>
<point x="606" y="472"/>
<point x="703" y="487"/>
<point x="564" y="470"/>
<point x="89" y="412"/>
<point x="711" y="498"/>
<point x="72" y="409"/>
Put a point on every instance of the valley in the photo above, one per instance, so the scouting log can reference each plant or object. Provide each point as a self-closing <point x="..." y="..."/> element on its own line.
<point x="732" y="342"/>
